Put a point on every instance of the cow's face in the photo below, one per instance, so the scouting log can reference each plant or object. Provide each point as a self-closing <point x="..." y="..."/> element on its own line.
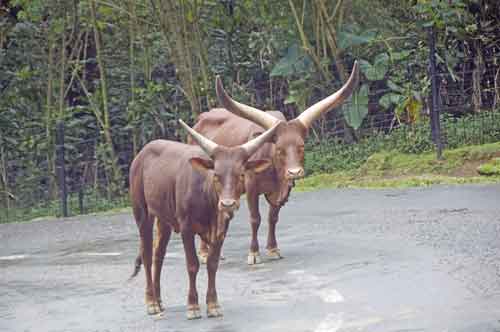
<point x="227" y="166"/>
<point x="288" y="156"/>
<point x="227" y="170"/>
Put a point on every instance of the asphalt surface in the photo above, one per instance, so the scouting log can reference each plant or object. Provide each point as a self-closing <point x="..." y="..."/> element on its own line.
<point x="424" y="259"/>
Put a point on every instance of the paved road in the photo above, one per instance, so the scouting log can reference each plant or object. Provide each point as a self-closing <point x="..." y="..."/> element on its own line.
<point x="424" y="259"/>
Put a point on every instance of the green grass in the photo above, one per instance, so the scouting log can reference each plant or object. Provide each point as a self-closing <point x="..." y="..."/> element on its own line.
<point x="394" y="169"/>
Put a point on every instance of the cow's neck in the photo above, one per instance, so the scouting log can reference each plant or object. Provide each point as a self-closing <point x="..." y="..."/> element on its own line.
<point x="282" y="186"/>
<point x="209" y="191"/>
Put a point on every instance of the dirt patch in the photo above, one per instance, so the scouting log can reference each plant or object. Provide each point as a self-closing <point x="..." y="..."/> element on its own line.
<point x="469" y="168"/>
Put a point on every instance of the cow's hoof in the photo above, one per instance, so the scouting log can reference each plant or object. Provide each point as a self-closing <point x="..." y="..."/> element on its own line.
<point x="193" y="312"/>
<point x="254" y="258"/>
<point x="214" y="310"/>
<point x="203" y="257"/>
<point x="160" y="305"/>
<point x="154" y="308"/>
<point x="159" y="316"/>
<point x="274" y="253"/>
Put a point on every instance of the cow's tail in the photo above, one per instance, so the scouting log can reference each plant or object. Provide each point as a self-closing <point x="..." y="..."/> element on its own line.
<point x="137" y="267"/>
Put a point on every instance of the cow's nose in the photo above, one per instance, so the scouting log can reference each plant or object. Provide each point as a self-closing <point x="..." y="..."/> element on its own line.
<point x="227" y="203"/>
<point x="295" y="173"/>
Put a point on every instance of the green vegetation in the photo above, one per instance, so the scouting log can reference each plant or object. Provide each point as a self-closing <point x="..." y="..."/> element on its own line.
<point x="331" y="155"/>
<point x="396" y="169"/>
<point x="491" y="168"/>
<point x="93" y="203"/>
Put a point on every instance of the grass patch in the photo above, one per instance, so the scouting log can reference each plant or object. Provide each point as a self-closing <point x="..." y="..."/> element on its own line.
<point x="491" y="168"/>
<point x="394" y="169"/>
<point x="93" y="202"/>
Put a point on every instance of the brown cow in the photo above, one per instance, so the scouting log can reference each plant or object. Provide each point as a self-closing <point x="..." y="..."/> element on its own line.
<point x="286" y="152"/>
<point x="192" y="194"/>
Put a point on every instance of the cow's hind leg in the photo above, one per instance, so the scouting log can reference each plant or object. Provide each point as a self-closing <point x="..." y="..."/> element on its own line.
<point x="213" y="307"/>
<point x="163" y="232"/>
<point x="253" y="206"/>
<point x="146" y="234"/>
<point x="193" y="266"/>
<point x="272" y="245"/>
<point x="203" y="252"/>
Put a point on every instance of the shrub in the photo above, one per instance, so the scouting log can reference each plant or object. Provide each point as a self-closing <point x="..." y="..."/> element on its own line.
<point x="491" y="168"/>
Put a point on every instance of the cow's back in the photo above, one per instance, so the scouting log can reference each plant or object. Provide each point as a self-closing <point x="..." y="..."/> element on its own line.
<point x="163" y="179"/>
<point x="225" y="128"/>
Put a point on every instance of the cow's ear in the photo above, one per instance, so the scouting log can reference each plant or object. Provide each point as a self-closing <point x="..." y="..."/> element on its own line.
<point x="258" y="165"/>
<point x="201" y="165"/>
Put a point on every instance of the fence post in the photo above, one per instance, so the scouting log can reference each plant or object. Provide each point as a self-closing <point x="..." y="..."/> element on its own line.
<point x="434" y="106"/>
<point x="80" y="200"/>
<point x="60" y="169"/>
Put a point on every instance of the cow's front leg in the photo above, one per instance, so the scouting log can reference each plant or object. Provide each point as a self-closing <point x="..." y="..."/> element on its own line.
<point x="213" y="307"/>
<point x="272" y="245"/>
<point x="193" y="310"/>
<point x="253" y="206"/>
<point x="163" y="232"/>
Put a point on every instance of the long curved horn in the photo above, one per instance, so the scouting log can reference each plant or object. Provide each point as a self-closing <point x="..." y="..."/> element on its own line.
<point x="253" y="114"/>
<point x="207" y="145"/>
<point x="312" y="113"/>
<point x="252" y="145"/>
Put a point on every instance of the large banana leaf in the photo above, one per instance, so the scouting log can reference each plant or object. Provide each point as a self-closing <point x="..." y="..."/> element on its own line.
<point x="356" y="111"/>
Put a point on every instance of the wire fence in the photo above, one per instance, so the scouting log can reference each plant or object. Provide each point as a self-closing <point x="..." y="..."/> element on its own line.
<point x="462" y="108"/>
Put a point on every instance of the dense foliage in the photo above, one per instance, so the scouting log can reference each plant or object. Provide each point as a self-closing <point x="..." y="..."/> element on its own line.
<point x="119" y="73"/>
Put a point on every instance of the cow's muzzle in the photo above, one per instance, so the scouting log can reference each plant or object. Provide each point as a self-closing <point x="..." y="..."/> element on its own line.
<point x="228" y="204"/>
<point x="295" y="173"/>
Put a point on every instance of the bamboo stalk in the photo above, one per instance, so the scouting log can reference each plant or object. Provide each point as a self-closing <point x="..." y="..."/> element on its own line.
<point x="116" y="176"/>
<point x="49" y="116"/>
<point x="132" y="36"/>
<point x="4" y="178"/>
<point x="62" y="72"/>
<point x="306" y="45"/>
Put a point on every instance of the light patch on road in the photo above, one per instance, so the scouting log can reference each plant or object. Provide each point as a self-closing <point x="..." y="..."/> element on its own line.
<point x="174" y="255"/>
<point x="13" y="257"/>
<point x="331" y="296"/>
<point x="307" y="278"/>
<point x="360" y="324"/>
<point x="294" y="272"/>
<point x="101" y="253"/>
<point x="332" y="323"/>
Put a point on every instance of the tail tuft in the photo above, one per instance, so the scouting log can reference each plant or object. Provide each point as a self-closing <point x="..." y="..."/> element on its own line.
<point x="137" y="268"/>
